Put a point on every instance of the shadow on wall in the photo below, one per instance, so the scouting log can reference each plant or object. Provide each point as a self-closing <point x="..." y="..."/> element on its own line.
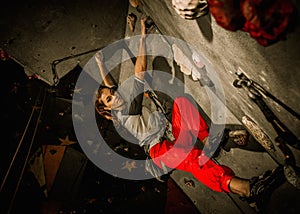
<point x="204" y="23"/>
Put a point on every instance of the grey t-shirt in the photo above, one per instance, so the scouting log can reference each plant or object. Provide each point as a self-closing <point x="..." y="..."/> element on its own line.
<point x="145" y="124"/>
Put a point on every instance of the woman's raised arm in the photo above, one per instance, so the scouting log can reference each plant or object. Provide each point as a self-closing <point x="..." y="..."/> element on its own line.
<point x="107" y="78"/>
<point x="141" y="60"/>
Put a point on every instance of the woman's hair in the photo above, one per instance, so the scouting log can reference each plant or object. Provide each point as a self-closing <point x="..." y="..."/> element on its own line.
<point x="100" y="106"/>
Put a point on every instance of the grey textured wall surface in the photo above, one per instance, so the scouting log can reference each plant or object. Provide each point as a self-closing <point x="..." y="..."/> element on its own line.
<point x="275" y="67"/>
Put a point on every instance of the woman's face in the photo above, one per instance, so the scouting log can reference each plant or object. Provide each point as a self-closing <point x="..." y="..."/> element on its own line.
<point x="111" y="99"/>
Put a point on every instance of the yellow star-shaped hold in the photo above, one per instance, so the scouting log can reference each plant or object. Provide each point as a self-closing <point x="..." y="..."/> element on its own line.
<point x="129" y="166"/>
<point x="66" y="141"/>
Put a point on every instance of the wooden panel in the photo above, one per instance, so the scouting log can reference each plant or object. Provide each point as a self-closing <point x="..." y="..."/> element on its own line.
<point x="52" y="159"/>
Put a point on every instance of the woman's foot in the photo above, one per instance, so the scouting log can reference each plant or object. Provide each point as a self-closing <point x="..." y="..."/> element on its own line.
<point x="261" y="188"/>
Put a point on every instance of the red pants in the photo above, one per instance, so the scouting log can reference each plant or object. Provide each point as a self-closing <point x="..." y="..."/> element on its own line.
<point x="187" y="125"/>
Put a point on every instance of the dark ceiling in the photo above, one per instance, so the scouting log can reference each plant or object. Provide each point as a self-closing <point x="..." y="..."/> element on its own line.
<point x="38" y="33"/>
